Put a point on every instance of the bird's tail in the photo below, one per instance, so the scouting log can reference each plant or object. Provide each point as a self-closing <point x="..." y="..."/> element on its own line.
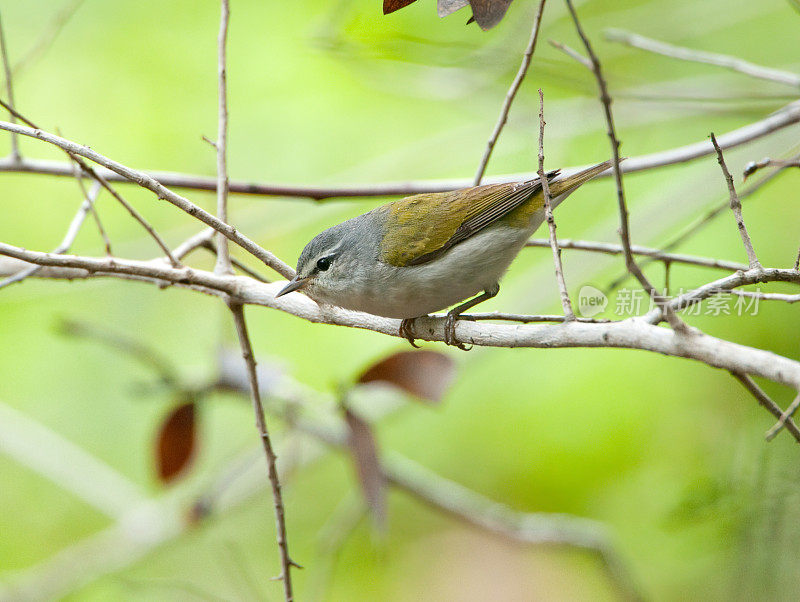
<point x="563" y="184"/>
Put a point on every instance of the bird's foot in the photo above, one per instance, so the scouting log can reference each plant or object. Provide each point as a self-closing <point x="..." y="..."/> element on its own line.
<point x="450" y="332"/>
<point x="407" y="331"/>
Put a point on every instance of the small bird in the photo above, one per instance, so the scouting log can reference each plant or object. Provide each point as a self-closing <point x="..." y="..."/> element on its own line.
<point x="427" y="252"/>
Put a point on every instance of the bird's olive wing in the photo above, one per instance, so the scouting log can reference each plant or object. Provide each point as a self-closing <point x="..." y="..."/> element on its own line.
<point x="421" y="228"/>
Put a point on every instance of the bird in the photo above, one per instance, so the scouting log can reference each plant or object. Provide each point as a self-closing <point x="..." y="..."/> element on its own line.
<point x="427" y="252"/>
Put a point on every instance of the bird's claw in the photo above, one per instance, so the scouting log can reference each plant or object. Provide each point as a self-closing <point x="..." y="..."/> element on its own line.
<point x="407" y="331"/>
<point x="450" y="332"/>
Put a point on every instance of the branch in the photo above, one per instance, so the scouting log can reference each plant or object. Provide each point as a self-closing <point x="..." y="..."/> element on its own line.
<point x="753" y="166"/>
<point x="610" y="248"/>
<point x="698" y="56"/>
<point x="15" y="156"/>
<point x="88" y="170"/>
<point x="512" y="92"/>
<point x="784" y="117"/>
<point x="624" y="229"/>
<point x="146" y="181"/>
<point x="773" y="432"/>
<point x="66" y="242"/>
<point x="261" y="424"/>
<point x="764" y="400"/>
<point x="551" y="223"/>
<point x="93" y="210"/>
<point x="635" y="333"/>
<point x="751" y="276"/>
<point x="768" y="296"/>
<point x="736" y="207"/>
<point x="223" y="265"/>
<point x="706" y="219"/>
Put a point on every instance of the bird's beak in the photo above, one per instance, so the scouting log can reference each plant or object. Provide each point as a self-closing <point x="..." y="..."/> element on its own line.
<point x="294" y="284"/>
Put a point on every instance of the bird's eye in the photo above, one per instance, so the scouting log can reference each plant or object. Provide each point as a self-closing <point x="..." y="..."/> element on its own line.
<point x="323" y="264"/>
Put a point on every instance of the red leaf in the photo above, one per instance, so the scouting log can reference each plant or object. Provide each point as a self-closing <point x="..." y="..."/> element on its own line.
<point x="489" y="13"/>
<point x="389" y="6"/>
<point x="365" y="455"/>
<point x="176" y="442"/>
<point x="426" y="374"/>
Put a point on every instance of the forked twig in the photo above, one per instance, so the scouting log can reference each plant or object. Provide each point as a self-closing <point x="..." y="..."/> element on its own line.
<point x="566" y="304"/>
<point x="736" y="207"/>
<point x="512" y="92"/>
<point x="624" y="231"/>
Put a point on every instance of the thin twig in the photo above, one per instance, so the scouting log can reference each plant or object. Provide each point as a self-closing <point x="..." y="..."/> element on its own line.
<point x="66" y="242"/>
<point x="90" y="171"/>
<point x="512" y="92"/>
<point x="780" y="119"/>
<point x="768" y="296"/>
<point x="93" y="209"/>
<point x="724" y="285"/>
<point x="736" y="207"/>
<point x="778" y="427"/>
<point x="15" y="156"/>
<point x="223" y="265"/>
<point x="703" y="221"/>
<point x="572" y="53"/>
<point x="162" y="192"/>
<point x="610" y="248"/>
<point x="566" y="304"/>
<point x="624" y="231"/>
<point x="49" y="36"/>
<point x="753" y="166"/>
<point x="527" y="319"/>
<point x="698" y="56"/>
<point x="255" y="395"/>
<point x="765" y="401"/>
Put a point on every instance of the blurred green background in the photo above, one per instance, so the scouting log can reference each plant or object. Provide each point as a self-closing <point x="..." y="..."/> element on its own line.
<point x="667" y="453"/>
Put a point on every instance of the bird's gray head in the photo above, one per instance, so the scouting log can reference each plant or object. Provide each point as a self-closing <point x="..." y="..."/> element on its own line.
<point x="334" y="258"/>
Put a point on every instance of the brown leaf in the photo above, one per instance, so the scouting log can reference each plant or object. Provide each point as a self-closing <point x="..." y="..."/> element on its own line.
<point x="176" y="442"/>
<point x="426" y="374"/>
<point x="365" y="455"/>
<point x="389" y="6"/>
<point x="489" y="13"/>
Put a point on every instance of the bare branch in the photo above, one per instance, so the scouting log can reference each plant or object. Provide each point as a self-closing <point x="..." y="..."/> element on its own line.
<point x="728" y="283"/>
<point x="572" y="53"/>
<point x="512" y="92"/>
<point x="9" y="92"/>
<point x="146" y="181"/>
<point x="630" y="334"/>
<point x="773" y="432"/>
<point x="706" y="219"/>
<point x="566" y="304"/>
<point x="89" y="170"/>
<point x="101" y="230"/>
<point x="526" y="319"/>
<point x="280" y="520"/>
<point x="698" y="56"/>
<point x="753" y="166"/>
<point x="736" y="207"/>
<point x="223" y="265"/>
<point x="66" y="242"/>
<point x="624" y="230"/>
<point x="610" y="248"/>
<point x="49" y="36"/>
<point x="764" y="400"/>
<point x="787" y="116"/>
<point x="768" y="296"/>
